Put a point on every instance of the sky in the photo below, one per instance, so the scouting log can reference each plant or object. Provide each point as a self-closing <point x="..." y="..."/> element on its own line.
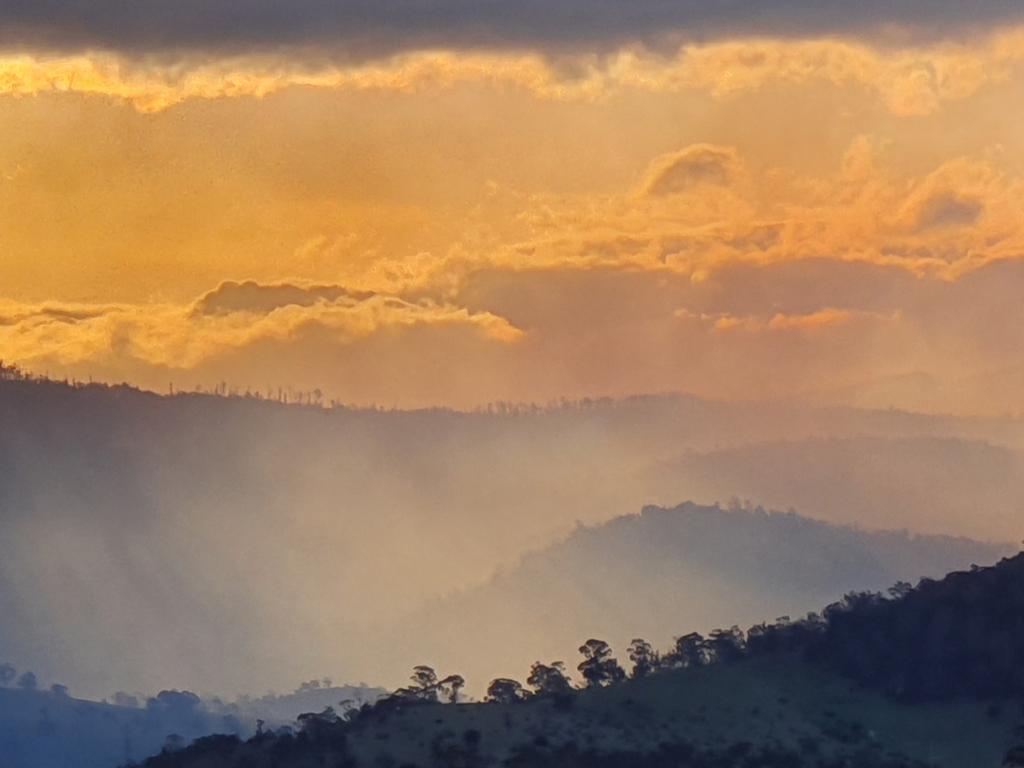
<point x="446" y="202"/>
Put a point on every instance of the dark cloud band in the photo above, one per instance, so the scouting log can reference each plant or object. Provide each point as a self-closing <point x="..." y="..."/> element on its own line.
<point x="367" y="28"/>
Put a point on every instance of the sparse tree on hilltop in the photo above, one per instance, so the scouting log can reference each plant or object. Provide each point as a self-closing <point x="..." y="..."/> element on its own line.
<point x="28" y="681"/>
<point x="549" y="679"/>
<point x="599" y="667"/>
<point x="726" y="645"/>
<point x="505" y="691"/>
<point x="645" y="659"/>
<point x="690" y="651"/>
<point x="450" y="687"/>
<point x="424" y="684"/>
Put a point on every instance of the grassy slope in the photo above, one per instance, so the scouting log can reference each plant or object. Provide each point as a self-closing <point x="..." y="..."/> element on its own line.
<point x="761" y="700"/>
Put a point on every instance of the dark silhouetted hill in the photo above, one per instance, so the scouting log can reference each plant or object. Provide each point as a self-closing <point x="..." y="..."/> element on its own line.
<point x="47" y="730"/>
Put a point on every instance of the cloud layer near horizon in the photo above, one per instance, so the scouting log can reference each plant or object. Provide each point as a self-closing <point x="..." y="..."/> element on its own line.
<point x="711" y="272"/>
<point x="449" y="203"/>
<point x="853" y="333"/>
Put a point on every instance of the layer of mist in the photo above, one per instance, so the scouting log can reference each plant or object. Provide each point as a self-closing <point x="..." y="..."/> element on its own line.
<point x="666" y="572"/>
<point x="229" y="545"/>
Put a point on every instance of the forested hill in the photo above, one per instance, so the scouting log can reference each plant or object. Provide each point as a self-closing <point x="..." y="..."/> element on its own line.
<point x="660" y="572"/>
<point x="925" y="676"/>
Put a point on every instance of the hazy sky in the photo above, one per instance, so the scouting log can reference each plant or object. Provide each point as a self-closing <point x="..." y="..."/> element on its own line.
<point x="453" y="202"/>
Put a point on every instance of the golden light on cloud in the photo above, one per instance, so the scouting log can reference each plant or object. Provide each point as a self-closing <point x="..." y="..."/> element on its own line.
<point x="428" y="201"/>
<point x="174" y="337"/>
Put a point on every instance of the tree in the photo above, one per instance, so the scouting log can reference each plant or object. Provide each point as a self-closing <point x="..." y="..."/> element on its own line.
<point x="726" y="644"/>
<point x="502" y="690"/>
<point x="7" y="674"/>
<point x="599" y="667"/>
<point x="424" y="684"/>
<point x="451" y="686"/>
<point x="689" y="651"/>
<point x="28" y="681"/>
<point x="645" y="659"/>
<point x="549" y="679"/>
<point x="423" y="676"/>
<point x="319" y="726"/>
<point x="900" y="590"/>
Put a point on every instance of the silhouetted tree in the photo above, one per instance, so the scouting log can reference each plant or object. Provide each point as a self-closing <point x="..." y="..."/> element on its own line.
<point x="424" y="685"/>
<point x="320" y="726"/>
<point x="644" y="657"/>
<point x="28" y="681"/>
<point x="726" y="645"/>
<point x="505" y="691"/>
<point x="7" y="674"/>
<point x="549" y="679"/>
<point x="423" y="676"/>
<point x="900" y="589"/>
<point x="690" y="650"/>
<point x="450" y="687"/>
<point x="599" y="667"/>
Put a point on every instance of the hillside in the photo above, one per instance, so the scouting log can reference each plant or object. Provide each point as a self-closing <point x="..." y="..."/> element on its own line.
<point x="52" y="729"/>
<point x="212" y="531"/>
<point x="45" y="730"/>
<point x="782" y="695"/>
<point x="794" y="715"/>
<point x="660" y="572"/>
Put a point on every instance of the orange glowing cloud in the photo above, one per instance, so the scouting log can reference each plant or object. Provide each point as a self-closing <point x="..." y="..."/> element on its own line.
<point x="522" y="223"/>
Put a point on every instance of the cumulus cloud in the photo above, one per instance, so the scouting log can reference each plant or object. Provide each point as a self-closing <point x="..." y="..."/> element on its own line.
<point x="947" y="209"/>
<point x="748" y="330"/>
<point x="699" y="214"/>
<point x="364" y="29"/>
<point x="693" y="165"/>
<point x="250" y="296"/>
<point x="222" y="322"/>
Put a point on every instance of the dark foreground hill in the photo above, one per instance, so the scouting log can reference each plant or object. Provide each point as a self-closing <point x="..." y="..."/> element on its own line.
<point x="48" y="730"/>
<point x="52" y="729"/>
<point x="814" y="692"/>
<point x="663" y="571"/>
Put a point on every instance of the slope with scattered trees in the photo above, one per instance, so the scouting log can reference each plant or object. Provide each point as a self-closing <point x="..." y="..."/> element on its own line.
<point x="650" y="573"/>
<point x="873" y="681"/>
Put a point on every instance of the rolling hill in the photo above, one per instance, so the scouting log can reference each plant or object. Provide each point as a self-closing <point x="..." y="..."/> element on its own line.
<point x="665" y="571"/>
<point x="151" y="542"/>
<point x="797" y="694"/>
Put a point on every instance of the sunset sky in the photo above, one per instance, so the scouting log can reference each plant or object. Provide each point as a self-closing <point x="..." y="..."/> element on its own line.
<point x="451" y="202"/>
